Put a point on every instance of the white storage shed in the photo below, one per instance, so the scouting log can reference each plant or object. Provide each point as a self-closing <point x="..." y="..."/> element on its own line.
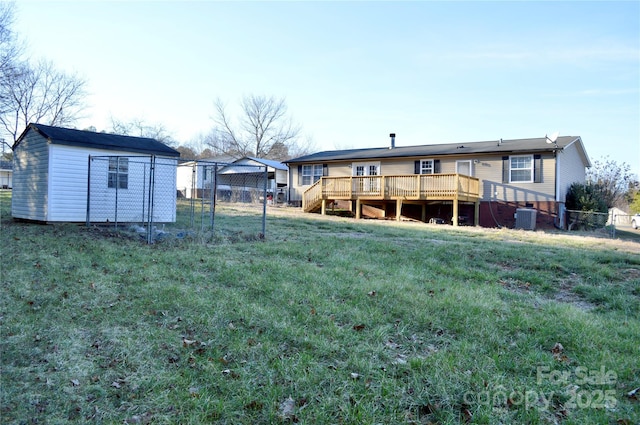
<point x="51" y="166"/>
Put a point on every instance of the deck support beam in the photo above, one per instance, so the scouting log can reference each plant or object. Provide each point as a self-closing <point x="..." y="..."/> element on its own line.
<point x="454" y="219"/>
<point x="323" y="210"/>
<point x="398" y="209"/>
<point x="358" y="208"/>
<point x="423" y="216"/>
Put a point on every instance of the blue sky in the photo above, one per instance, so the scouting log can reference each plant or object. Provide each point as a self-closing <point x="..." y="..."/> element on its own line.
<point x="353" y="72"/>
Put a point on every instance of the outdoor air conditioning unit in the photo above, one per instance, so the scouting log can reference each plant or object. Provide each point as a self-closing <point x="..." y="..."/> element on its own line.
<point x="526" y="218"/>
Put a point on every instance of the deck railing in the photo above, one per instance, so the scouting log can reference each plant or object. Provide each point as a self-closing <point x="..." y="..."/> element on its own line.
<point x="409" y="187"/>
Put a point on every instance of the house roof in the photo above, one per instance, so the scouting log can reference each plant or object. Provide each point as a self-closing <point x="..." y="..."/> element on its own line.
<point x="539" y="144"/>
<point x="248" y="165"/>
<point x="269" y="163"/>
<point x="91" y="139"/>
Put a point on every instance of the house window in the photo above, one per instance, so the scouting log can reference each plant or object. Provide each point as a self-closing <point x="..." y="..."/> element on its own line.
<point x="311" y="174"/>
<point x="426" y="166"/>
<point x="118" y="176"/>
<point x="521" y="168"/>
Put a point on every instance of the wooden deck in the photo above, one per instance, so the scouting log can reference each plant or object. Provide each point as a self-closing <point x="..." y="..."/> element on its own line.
<point x="399" y="188"/>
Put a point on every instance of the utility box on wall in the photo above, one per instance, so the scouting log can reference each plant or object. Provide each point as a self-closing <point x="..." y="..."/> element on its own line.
<point x="526" y="218"/>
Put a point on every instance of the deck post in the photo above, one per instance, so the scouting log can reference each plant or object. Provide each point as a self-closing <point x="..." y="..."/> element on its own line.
<point x="398" y="209"/>
<point x="323" y="210"/>
<point x="476" y="213"/>
<point x="424" y="213"/>
<point x="455" y="211"/>
<point x="358" y="208"/>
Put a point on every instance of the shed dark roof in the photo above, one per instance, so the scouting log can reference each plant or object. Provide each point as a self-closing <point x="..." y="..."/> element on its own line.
<point x="91" y="139"/>
<point x="489" y="147"/>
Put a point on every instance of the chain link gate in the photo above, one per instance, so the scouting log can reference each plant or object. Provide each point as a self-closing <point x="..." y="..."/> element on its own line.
<point x="162" y="199"/>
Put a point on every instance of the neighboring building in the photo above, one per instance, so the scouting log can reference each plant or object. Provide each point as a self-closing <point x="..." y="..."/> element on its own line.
<point x="195" y="177"/>
<point x="51" y="174"/>
<point x="247" y="175"/>
<point x="6" y="175"/>
<point x="480" y="183"/>
<point x="239" y="180"/>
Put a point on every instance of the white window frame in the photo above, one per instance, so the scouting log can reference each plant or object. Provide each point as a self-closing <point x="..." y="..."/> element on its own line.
<point x="427" y="166"/>
<point x="521" y="168"/>
<point x="311" y="173"/>
<point x="118" y="173"/>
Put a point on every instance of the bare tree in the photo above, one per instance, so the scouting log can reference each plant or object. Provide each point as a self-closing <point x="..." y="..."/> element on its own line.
<point x="9" y="56"/>
<point x="40" y="94"/>
<point x="264" y="129"/>
<point x="614" y="182"/>
<point x="9" y="48"/>
<point x="139" y="128"/>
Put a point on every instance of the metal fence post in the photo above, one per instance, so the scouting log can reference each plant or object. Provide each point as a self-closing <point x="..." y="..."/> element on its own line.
<point x="215" y="194"/>
<point x="264" y="201"/>
<point x="193" y="189"/>
<point x="88" y="191"/>
<point x="144" y="199"/>
<point x="151" y="197"/>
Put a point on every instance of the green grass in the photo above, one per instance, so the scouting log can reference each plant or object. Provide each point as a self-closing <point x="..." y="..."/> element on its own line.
<point x="327" y="320"/>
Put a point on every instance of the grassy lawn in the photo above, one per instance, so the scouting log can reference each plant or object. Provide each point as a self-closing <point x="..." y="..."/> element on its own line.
<point x="326" y="321"/>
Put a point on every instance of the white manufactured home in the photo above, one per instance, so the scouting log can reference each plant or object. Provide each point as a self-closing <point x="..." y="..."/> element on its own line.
<point x="51" y="168"/>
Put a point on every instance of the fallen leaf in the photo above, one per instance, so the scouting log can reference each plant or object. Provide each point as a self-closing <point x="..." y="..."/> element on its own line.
<point x="466" y="415"/>
<point x="193" y="392"/>
<point x="75" y="382"/>
<point x="287" y="409"/>
<point x="359" y="327"/>
<point x="187" y="342"/>
<point x="254" y="405"/>
<point x="633" y="394"/>
<point x="116" y="384"/>
<point x="355" y="375"/>
<point x="400" y="359"/>
<point x="557" y="348"/>
<point x="372" y="293"/>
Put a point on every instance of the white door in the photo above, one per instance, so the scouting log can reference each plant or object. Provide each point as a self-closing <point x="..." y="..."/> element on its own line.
<point x="366" y="170"/>
<point x="464" y="167"/>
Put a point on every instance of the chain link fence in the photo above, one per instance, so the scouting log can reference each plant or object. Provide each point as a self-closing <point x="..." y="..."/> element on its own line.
<point x="167" y="199"/>
<point x="609" y="223"/>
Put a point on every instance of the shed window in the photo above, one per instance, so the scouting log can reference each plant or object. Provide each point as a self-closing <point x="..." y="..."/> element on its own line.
<point x="521" y="168"/>
<point x="118" y="172"/>
<point x="311" y="174"/>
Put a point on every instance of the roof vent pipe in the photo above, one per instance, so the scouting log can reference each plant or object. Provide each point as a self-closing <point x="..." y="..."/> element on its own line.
<point x="393" y="140"/>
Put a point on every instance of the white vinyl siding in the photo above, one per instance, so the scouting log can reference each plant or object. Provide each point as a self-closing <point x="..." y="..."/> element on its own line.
<point x="30" y="173"/>
<point x="132" y="202"/>
<point x="572" y="169"/>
